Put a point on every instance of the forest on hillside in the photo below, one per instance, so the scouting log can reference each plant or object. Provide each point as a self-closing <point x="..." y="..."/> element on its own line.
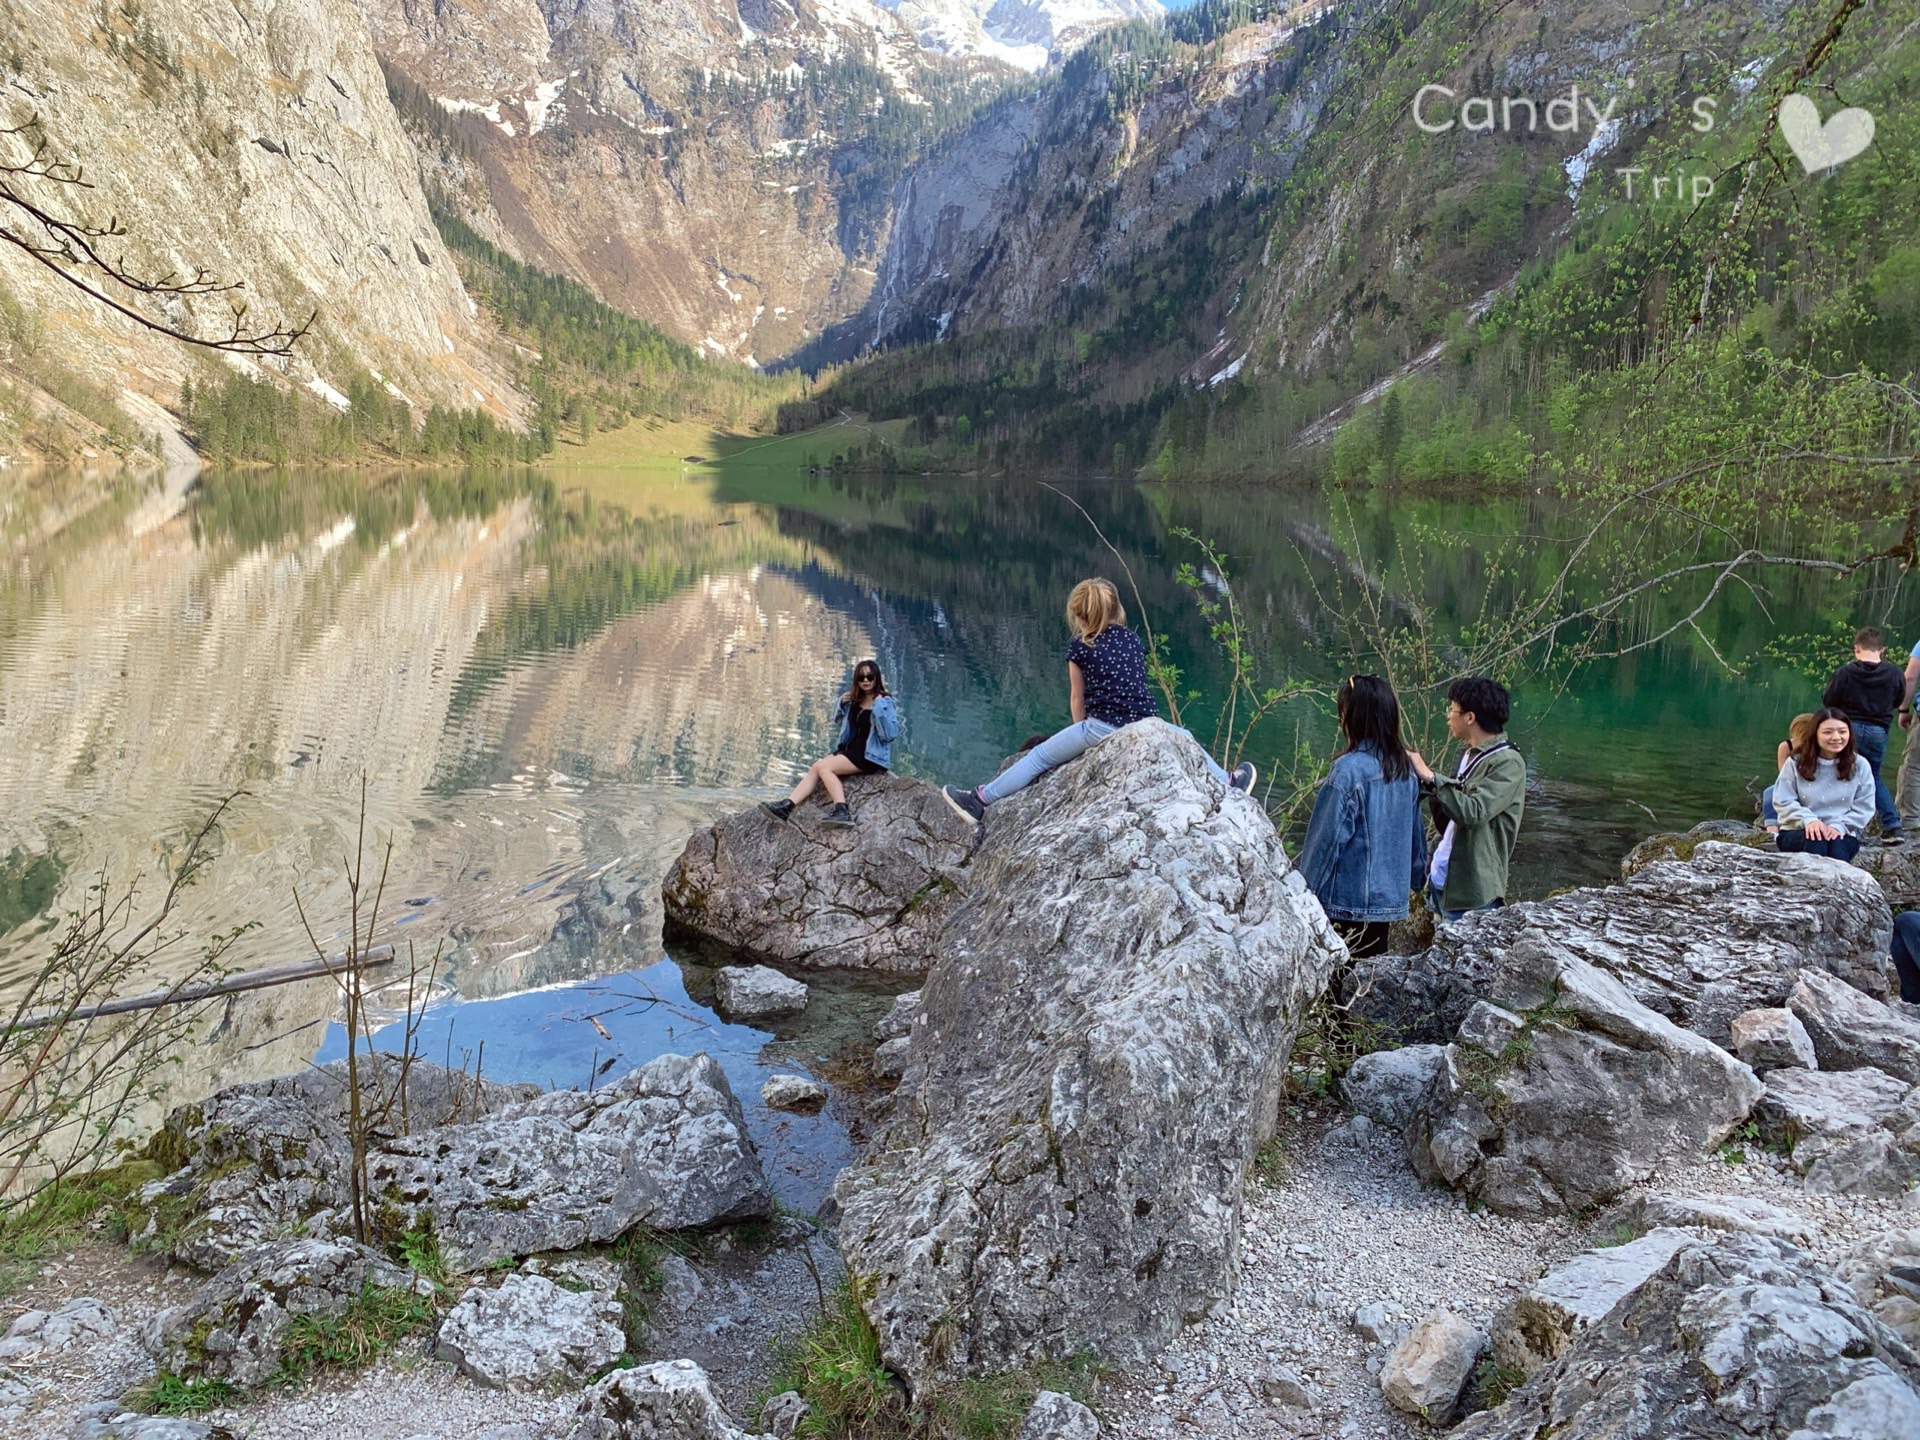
<point x="1563" y="329"/>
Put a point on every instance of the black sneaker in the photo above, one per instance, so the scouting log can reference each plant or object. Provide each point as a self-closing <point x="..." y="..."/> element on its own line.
<point x="1891" y="838"/>
<point x="778" y="809"/>
<point x="1243" y="776"/>
<point x="965" y="802"/>
<point x="839" y="815"/>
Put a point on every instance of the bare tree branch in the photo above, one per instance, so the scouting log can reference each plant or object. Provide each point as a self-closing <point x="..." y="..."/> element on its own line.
<point x="71" y="247"/>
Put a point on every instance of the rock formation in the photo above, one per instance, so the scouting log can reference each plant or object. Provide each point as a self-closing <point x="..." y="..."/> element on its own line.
<point x="234" y="1327"/>
<point x="1700" y="941"/>
<point x="668" y="1400"/>
<point x="254" y="139"/>
<point x="1739" y="1336"/>
<point x="1563" y="1090"/>
<point x="666" y="1145"/>
<point x="873" y="896"/>
<point x="1097" y="1058"/>
<point x="528" y="1332"/>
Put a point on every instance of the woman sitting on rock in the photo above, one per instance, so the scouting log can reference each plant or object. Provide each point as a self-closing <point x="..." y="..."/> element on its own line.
<point x="868" y="723"/>
<point x="1824" y="795"/>
<point x="1106" y="688"/>
<point x="1366" y="847"/>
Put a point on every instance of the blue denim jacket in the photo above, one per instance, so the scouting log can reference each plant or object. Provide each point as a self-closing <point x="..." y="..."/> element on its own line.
<point x="1366" y="848"/>
<point x="886" y="725"/>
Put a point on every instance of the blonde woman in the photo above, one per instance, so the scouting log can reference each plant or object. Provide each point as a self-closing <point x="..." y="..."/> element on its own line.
<point x="1106" y="688"/>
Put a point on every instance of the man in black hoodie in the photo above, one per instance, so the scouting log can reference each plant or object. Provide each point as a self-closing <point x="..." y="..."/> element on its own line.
<point x="1869" y="690"/>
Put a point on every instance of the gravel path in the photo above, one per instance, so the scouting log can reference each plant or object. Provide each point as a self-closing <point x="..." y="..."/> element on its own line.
<point x="1349" y="1224"/>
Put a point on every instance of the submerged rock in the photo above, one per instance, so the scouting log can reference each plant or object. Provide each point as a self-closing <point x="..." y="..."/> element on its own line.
<point x="1737" y="1337"/>
<point x="1587" y="1098"/>
<point x="1098" y="1056"/>
<point x="757" y="992"/>
<point x="871" y="896"/>
<point x="668" y="1400"/>
<point x="899" y="1017"/>
<point x="528" y="1333"/>
<point x="793" y="1092"/>
<point x="1699" y="942"/>
<point x="235" y="1325"/>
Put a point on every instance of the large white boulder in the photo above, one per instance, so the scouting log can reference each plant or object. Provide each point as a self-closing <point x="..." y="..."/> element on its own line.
<point x="1097" y="1057"/>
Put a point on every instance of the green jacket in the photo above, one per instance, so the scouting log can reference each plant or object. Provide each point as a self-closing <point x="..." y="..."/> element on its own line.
<point x="1486" y="807"/>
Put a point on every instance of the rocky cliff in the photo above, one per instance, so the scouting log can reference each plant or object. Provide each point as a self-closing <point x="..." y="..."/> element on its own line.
<point x="252" y="139"/>
<point x="718" y="169"/>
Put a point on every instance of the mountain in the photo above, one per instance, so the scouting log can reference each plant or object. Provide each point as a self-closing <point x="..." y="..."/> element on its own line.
<point x="1196" y="244"/>
<point x="252" y="139"/>
<point x="721" y="170"/>
<point x="1027" y="34"/>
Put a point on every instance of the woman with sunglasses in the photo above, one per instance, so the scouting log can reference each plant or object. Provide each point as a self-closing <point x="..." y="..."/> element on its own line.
<point x="1366" y="848"/>
<point x="868" y="723"/>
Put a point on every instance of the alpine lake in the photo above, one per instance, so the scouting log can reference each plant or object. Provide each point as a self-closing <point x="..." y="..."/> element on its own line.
<point x="550" y="679"/>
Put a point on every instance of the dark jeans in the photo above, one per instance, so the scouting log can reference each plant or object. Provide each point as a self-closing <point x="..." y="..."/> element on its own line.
<point x="1871" y="742"/>
<point x="1795" y="842"/>
<point x="1906" y="954"/>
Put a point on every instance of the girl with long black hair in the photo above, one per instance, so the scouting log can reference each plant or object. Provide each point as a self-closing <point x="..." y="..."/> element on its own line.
<point x="1366" y="848"/>
<point x="867" y="722"/>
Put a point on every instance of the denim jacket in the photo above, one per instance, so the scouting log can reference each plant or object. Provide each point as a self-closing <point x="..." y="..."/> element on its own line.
<point x="886" y="725"/>
<point x="1366" y="848"/>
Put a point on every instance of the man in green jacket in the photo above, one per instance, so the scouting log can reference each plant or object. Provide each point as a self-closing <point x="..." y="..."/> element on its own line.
<point x="1481" y="802"/>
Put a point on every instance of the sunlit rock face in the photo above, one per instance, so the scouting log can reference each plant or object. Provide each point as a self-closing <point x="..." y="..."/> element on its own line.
<point x="251" y="139"/>
<point x="692" y="161"/>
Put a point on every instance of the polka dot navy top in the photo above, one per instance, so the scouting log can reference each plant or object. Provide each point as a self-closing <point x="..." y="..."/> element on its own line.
<point x="1113" y="667"/>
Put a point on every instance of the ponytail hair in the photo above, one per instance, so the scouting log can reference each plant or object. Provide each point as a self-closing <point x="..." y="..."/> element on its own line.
<point x="1094" y="606"/>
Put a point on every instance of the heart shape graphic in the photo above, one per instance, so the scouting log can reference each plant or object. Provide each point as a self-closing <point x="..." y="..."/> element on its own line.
<point x="1821" y="147"/>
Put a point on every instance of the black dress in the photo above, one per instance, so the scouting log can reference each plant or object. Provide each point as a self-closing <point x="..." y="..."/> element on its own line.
<point x="859" y="727"/>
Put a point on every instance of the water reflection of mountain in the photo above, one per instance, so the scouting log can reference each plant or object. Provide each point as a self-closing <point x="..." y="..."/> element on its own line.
<point x="548" y="696"/>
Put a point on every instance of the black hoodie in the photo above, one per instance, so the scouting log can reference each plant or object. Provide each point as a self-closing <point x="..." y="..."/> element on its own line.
<point x="1868" y="690"/>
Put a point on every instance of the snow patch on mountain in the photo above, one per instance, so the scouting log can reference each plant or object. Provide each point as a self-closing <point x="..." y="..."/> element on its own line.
<point x="1027" y="34"/>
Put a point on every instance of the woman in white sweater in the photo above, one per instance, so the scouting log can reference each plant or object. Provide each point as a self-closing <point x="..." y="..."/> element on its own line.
<point x="1824" y="795"/>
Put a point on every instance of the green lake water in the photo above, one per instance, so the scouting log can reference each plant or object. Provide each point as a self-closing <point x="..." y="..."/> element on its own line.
<point x="541" y="689"/>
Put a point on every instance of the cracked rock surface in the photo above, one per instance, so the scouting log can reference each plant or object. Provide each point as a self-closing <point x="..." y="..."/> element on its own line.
<point x="804" y="894"/>
<point x="1095" y="1062"/>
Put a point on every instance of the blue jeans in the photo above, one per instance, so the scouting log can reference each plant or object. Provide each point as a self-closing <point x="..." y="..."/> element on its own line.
<point x="1871" y="742"/>
<point x="1433" y="904"/>
<point x="1057" y="749"/>
<point x="1795" y="842"/>
<point x="1906" y="954"/>
<point x="1768" y="815"/>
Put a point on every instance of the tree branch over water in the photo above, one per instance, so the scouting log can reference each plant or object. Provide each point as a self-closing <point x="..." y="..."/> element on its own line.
<point x="82" y="252"/>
